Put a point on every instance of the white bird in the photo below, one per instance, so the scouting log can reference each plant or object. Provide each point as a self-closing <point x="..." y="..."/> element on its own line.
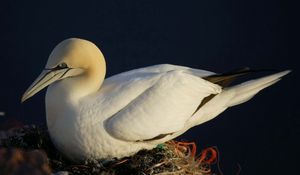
<point x="89" y="117"/>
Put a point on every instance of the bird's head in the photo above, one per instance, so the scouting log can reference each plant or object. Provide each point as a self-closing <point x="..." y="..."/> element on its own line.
<point x="70" y="58"/>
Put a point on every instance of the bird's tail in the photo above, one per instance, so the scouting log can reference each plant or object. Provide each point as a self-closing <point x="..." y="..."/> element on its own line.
<point x="245" y="91"/>
<point x="214" y="104"/>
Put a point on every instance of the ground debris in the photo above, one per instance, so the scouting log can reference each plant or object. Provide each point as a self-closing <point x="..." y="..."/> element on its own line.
<point x="171" y="158"/>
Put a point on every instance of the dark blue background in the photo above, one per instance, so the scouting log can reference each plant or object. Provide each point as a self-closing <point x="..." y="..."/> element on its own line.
<point x="261" y="135"/>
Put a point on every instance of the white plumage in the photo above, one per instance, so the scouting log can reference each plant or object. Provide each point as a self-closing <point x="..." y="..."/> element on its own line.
<point x="89" y="117"/>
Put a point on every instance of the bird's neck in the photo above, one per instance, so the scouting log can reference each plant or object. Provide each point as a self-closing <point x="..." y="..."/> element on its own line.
<point x="65" y="95"/>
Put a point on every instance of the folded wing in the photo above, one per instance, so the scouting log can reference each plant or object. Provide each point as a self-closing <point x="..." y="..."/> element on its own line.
<point x="161" y="108"/>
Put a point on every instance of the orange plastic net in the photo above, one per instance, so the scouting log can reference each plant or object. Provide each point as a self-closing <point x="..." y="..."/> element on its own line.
<point x="184" y="156"/>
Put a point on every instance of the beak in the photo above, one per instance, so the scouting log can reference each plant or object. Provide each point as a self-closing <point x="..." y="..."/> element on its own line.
<point x="47" y="77"/>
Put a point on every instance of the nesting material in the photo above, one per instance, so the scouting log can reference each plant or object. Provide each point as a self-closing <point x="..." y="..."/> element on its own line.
<point x="166" y="159"/>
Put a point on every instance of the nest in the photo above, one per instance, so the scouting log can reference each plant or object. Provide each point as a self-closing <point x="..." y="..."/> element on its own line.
<point x="30" y="151"/>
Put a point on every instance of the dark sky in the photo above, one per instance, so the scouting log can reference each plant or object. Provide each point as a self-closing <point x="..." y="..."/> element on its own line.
<point x="217" y="35"/>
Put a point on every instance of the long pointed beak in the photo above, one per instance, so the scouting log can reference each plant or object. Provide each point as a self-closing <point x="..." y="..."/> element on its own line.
<point x="47" y="77"/>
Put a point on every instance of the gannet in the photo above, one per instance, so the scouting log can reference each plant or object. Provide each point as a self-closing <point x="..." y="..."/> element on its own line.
<point x="90" y="117"/>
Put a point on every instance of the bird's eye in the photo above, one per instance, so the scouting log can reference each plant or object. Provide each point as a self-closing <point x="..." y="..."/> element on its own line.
<point x="62" y="66"/>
